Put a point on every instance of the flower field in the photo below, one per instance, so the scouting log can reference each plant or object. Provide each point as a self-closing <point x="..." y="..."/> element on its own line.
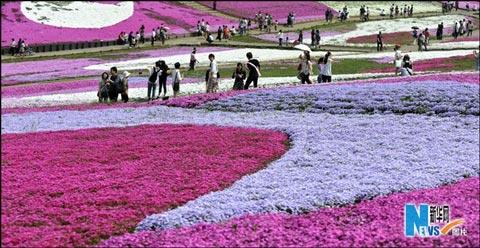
<point x="91" y="186"/>
<point x="308" y="10"/>
<point x="284" y="164"/>
<point x="179" y="18"/>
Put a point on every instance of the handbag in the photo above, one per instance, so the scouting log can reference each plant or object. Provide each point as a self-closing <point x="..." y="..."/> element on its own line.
<point x="300" y="75"/>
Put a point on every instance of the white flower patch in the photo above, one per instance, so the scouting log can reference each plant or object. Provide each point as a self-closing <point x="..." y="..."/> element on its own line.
<point x="77" y="14"/>
<point x="222" y="57"/>
<point x="185" y="89"/>
<point x="392" y="26"/>
<point x="377" y="6"/>
<point x="455" y="45"/>
<point x="414" y="56"/>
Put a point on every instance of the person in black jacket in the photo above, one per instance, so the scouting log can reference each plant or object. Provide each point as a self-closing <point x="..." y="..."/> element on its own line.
<point x="239" y="75"/>
<point x="116" y="84"/>
<point x="253" y="66"/>
<point x="162" y="78"/>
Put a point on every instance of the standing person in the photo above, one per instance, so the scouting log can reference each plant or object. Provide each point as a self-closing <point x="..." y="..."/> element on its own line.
<point x="327" y="69"/>
<point x="193" y="60"/>
<point x="253" y="67"/>
<point x="300" y="37"/>
<point x="115" y="84"/>
<point x="124" y="92"/>
<point x="103" y="88"/>
<point x="421" y="41"/>
<point x="212" y="85"/>
<point x="239" y="75"/>
<point x="162" y="35"/>
<point x="219" y="33"/>
<point x="455" y="30"/>
<point x="317" y="38"/>
<point x="397" y="59"/>
<point x="153" y="37"/>
<point x="320" y="66"/>
<point x="280" y="38"/>
<point x="13" y="47"/>
<point x="312" y="37"/>
<point x="415" y="36"/>
<point x="379" y="41"/>
<point x="469" y="28"/>
<point x="411" y="10"/>
<point x="176" y="79"/>
<point x="142" y="34"/>
<point x="476" y="55"/>
<point x="162" y="78"/>
<point x="438" y="32"/>
<point x="276" y="25"/>
<point x="152" y="79"/>
<point x="130" y="40"/>
<point x="426" y="34"/>
<point x="441" y="30"/>
<point x="306" y="69"/>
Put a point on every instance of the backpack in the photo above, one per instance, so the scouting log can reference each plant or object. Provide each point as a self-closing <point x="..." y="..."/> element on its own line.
<point x="153" y="77"/>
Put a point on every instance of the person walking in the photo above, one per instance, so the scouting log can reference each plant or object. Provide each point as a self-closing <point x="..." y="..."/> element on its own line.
<point x="193" y="60"/>
<point x="379" y="41"/>
<point x="152" y="79"/>
<point x="212" y="85"/>
<point x="239" y="75"/>
<point x="327" y="69"/>
<point x="397" y="61"/>
<point x="103" y="88"/>
<point x="306" y="68"/>
<point x="300" y="37"/>
<point x="162" y="78"/>
<point x="253" y="67"/>
<point x="176" y="79"/>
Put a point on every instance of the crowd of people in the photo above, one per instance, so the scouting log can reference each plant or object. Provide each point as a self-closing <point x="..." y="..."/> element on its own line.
<point x="134" y="39"/>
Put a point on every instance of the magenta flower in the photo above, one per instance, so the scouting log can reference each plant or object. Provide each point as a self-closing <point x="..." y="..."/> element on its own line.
<point x="75" y="188"/>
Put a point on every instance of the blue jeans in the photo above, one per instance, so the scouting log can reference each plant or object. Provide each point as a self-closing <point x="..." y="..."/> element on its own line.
<point x="151" y="89"/>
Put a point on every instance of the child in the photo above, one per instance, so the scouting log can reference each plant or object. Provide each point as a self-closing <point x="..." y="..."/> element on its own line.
<point x="176" y="79"/>
<point x="239" y="75"/>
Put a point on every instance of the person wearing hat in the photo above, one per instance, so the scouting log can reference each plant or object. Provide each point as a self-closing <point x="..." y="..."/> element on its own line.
<point x="176" y="79"/>
<point x="193" y="60"/>
<point x="124" y="92"/>
<point x="397" y="59"/>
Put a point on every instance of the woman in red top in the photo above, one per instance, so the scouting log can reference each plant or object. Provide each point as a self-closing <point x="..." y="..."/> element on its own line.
<point x="426" y="34"/>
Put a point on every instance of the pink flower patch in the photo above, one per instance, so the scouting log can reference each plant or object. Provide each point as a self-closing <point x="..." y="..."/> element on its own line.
<point x="374" y="223"/>
<point x="76" y="188"/>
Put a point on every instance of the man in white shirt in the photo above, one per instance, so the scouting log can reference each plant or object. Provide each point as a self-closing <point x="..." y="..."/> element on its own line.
<point x="13" y="47"/>
<point x="212" y="77"/>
